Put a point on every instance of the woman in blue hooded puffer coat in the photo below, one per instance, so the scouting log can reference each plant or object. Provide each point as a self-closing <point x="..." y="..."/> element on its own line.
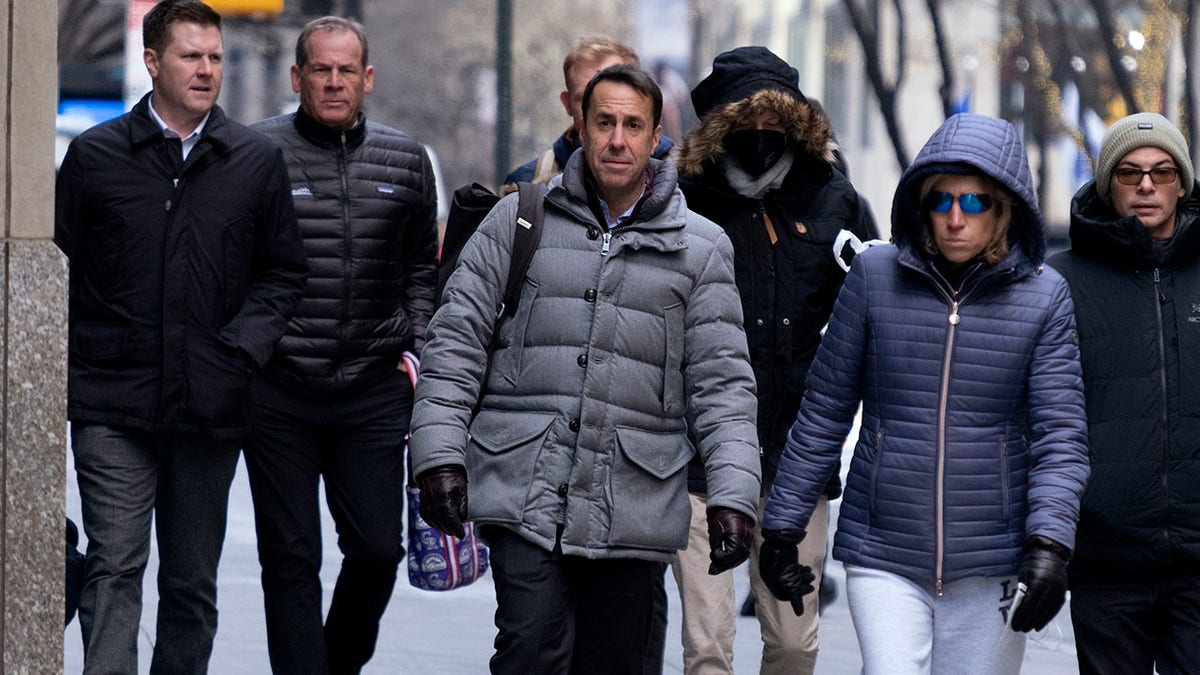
<point x="966" y="477"/>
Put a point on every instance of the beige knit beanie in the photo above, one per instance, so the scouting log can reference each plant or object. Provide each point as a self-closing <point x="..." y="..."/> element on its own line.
<point x="1138" y="131"/>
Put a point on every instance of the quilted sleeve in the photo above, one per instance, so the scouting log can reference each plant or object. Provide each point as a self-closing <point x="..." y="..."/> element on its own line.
<point x="833" y="391"/>
<point x="1058" y="423"/>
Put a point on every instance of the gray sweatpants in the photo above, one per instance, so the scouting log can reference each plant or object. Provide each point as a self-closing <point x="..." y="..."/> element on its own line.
<point x="904" y="628"/>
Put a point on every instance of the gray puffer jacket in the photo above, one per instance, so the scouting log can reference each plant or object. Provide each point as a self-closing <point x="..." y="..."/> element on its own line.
<point x="622" y="339"/>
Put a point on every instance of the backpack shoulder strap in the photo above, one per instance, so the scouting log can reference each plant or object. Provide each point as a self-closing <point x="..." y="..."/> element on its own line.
<point x="531" y="213"/>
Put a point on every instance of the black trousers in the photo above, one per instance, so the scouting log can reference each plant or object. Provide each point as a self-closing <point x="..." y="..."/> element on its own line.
<point x="1137" y="623"/>
<point x="356" y="443"/>
<point x="565" y="614"/>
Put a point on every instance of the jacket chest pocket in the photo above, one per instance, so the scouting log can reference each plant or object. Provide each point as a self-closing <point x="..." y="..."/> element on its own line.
<point x="673" y="341"/>
<point x="507" y="359"/>
<point x="809" y="257"/>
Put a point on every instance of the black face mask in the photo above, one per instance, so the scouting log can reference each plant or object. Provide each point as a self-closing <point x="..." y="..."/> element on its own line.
<point x="755" y="150"/>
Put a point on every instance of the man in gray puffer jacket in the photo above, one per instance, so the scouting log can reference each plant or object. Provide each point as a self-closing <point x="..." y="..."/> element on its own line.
<point x="624" y="358"/>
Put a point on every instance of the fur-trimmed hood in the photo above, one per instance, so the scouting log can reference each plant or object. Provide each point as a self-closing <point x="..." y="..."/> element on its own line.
<point x="809" y="131"/>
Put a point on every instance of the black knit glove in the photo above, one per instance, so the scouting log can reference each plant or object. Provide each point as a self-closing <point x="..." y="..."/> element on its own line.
<point x="730" y="535"/>
<point x="1044" y="573"/>
<point x="444" y="498"/>
<point x="780" y="568"/>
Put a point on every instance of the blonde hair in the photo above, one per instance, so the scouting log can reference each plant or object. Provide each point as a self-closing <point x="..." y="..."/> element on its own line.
<point x="593" y="49"/>
<point x="997" y="247"/>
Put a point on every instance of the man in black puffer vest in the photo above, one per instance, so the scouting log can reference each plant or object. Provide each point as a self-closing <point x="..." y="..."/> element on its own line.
<point x="332" y="403"/>
<point x="1134" y="271"/>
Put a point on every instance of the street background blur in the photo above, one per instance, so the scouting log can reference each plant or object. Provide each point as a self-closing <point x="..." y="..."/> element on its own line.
<point x="478" y="80"/>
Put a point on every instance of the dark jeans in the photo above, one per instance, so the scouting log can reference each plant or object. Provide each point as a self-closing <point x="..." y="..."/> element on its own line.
<point x="356" y="443"/>
<point x="1138" y="623"/>
<point x="565" y="614"/>
<point x="125" y="478"/>
<point x="656" y="641"/>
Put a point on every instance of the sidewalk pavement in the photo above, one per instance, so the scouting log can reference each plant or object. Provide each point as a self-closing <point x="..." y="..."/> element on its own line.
<point x="451" y="633"/>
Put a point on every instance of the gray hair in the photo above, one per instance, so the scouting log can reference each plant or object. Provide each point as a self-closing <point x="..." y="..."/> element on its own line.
<point x="329" y="24"/>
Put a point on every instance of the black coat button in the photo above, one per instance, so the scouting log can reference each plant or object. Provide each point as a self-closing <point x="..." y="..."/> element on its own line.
<point x="574" y="425"/>
<point x="582" y="360"/>
<point x="593" y="233"/>
<point x="590" y="295"/>
<point x="562" y="490"/>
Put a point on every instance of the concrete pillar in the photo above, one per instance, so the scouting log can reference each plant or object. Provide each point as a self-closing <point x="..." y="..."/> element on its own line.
<point x="33" y="319"/>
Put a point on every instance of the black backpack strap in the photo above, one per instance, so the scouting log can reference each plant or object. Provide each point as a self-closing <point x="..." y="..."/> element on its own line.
<point x="531" y="213"/>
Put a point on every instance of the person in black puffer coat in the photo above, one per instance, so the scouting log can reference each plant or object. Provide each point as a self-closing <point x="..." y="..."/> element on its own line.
<point x="762" y="165"/>
<point x="1134" y="271"/>
<point x="332" y="404"/>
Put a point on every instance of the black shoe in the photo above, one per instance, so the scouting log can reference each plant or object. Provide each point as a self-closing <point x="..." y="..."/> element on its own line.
<point x="748" y="606"/>
<point x="827" y="594"/>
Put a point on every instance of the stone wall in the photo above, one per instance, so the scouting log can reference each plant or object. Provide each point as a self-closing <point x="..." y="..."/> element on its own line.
<point x="33" y="319"/>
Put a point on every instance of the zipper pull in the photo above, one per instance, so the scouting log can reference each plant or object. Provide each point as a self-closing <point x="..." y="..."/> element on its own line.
<point x="954" y="317"/>
<point x="938" y="587"/>
<point x="607" y="241"/>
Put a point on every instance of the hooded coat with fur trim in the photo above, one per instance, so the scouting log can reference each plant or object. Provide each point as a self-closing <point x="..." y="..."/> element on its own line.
<point x="973" y="434"/>
<point x="787" y="288"/>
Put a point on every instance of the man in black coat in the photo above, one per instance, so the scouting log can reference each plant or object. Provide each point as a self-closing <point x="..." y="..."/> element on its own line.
<point x="332" y="403"/>
<point x="185" y="263"/>
<point x="1134" y="271"/>
<point x="762" y="165"/>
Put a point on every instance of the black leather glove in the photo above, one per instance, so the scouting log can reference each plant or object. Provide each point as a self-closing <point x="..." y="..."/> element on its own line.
<point x="730" y="535"/>
<point x="1044" y="573"/>
<point x="444" y="498"/>
<point x="780" y="568"/>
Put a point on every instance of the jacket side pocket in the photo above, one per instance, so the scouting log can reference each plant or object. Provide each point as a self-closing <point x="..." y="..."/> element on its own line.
<point x="648" y="484"/>
<point x="501" y="460"/>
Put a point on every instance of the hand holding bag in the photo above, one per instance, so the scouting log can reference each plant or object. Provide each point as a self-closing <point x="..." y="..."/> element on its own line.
<point x="438" y="561"/>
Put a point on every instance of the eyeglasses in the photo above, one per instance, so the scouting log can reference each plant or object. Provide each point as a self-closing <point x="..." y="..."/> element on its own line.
<point x="1160" y="175"/>
<point x="970" y="202"/>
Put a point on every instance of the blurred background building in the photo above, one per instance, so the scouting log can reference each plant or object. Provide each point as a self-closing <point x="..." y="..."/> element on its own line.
<point x="887" y="73"/>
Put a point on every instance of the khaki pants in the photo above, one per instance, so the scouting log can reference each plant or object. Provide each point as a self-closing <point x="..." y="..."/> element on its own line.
<point x="789" y="642"/>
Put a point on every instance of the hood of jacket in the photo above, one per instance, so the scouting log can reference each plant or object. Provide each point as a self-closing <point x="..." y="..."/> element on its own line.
<point x="1097" y="232"/>
<point x="809" y="132"/>
<point x="969" y="143"/>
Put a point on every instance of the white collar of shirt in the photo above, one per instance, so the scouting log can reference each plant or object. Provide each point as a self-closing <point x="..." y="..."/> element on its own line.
<point x="192" y="138"/>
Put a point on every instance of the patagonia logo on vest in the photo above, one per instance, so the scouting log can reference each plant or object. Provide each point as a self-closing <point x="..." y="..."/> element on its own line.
<point x="385" y="189"/>
<point x="301" y="191"/>
<point x="1194" y="317"/>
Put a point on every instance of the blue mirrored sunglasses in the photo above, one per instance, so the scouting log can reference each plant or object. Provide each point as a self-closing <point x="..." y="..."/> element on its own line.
<point x="970" y="202"/>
